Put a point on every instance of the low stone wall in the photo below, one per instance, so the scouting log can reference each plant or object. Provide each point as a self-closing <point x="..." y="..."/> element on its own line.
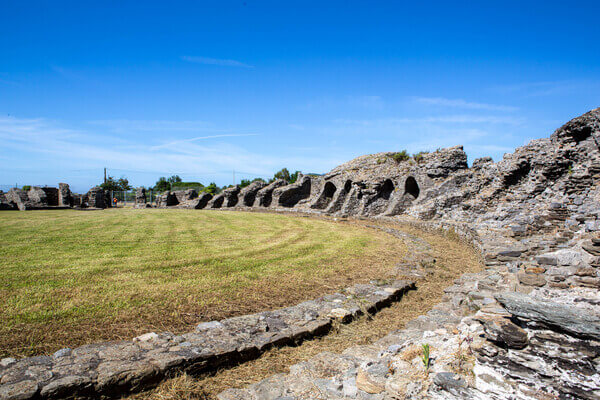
<point x="495" y="335"/>
<point x="113" y="369"/>
<point x="528" y="327"/>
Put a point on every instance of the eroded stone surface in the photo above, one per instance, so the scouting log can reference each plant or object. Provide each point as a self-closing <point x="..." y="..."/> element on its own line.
<point x="525" y="328"/>
<point x="531" y="330"/>
<point x="112" y="369"/>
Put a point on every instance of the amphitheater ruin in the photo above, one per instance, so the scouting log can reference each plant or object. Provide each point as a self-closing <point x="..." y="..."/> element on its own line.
<point x="527" y="327"/>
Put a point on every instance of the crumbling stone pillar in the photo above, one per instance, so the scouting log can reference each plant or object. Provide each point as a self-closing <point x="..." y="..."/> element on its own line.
<point x="140" y="196"/>
<point x="65" y="198"/>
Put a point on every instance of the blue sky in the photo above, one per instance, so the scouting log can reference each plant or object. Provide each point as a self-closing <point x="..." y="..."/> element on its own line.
<point x="202" y="88"/>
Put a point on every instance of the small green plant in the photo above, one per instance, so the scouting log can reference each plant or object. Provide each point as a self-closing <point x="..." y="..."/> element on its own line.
<point x="425" y="356"/>
<point x="380" y="160"/>
<point x="570" y="170"/>
<point x="419" y="156"/>
<point x="26" y="188"/>
<point x="400" y="156"/>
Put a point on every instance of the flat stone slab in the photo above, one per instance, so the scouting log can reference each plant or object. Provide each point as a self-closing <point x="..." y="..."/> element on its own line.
<point x="116" y="368"/>
<point x="562" y="317"/>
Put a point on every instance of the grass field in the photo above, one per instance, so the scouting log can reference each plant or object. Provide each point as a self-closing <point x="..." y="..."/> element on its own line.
<point x="453" y="258"/>
<point x="71" y="277"/>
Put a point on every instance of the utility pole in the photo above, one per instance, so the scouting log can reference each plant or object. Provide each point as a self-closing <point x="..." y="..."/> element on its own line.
<point x="104" y="174"/>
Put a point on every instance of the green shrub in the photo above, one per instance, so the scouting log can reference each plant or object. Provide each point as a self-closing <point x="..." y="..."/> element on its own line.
<point x="419" y="156"/>
<point x="26" y="187"/>
<point x="400" y="156"/>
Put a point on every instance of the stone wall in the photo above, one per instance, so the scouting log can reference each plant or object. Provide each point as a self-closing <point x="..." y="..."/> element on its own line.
<point x="65" y="199"/>
<point x="36" y="198"/>
<point x="112" y="369"/>
<point x="527" y="327"/>
<point x="51" y="196"/>
<point x="535" y="215"/>
<point x="96" y="198"/>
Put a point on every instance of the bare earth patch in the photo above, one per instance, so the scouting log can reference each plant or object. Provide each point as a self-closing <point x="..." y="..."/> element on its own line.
<point x="73" y="277"/>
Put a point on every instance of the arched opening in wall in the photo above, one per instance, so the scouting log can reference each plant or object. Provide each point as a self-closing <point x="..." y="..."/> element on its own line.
<point x="295" y="193"/>
<point x="348" y="186"/>
<point x="249" y="198"/>
<point x="326" y="196"/>
<point x="218" y="201"/>
<point x="411" y="187"/>
<point x="267" y="199"/>
<point x="377" y="203"/>
<point x="329" y="190"/>
<point x="387" y="189"/>
<point x="203" y="200"/>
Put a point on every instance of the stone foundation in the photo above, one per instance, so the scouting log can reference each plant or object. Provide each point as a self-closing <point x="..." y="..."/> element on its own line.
<point x="112" y="369"/>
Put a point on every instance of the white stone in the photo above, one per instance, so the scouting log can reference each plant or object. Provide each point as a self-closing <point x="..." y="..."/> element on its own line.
<point x="339" y="313"/>
<point x="146" y="337"/>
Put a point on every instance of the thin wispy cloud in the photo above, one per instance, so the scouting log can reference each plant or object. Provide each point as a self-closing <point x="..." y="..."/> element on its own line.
<point x="132" y="125"/>
<point x="61" y="152"/>
<point x="461" y="103"/>
<point x="216" y="61"/>
<point x="195" y="139"/>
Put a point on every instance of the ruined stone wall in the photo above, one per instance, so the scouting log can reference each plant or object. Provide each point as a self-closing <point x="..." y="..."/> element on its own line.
<point x="65" y="198"/>
<point x="527" y="327"/>
<point x="35" y="198"/>
<point x="533" y="324"/>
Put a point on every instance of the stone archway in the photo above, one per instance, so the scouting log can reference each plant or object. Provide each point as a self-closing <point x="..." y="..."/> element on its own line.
<point x="387" y="189"/>
<point x="411" y="187"/>
<point x="326" y="196"/>
<point x="348" y="186"/>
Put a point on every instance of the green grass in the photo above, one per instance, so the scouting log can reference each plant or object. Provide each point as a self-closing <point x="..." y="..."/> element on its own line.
<point x="77" y="276"/>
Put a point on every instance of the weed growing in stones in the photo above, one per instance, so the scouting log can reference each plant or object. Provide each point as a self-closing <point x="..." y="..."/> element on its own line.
<point x="425" y="356"/>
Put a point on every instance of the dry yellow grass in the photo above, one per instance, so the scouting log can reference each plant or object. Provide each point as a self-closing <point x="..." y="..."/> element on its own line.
<point x="454" y="258"/>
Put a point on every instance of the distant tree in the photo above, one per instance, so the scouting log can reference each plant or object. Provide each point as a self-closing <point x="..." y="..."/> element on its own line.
<point x="162" y="185"/>
<point x="116" y="184"/>
<point x="212" y="188"/>
<point x="26" y="187"/>
<point x="245" y="182"/>
<point x="110" y="184"/>
<point x="185" y="185"/>
<point x="283" y="174"/>
<point x="124" y="183"/>
<point x="294" y="177"/>
<point x="174" y="179"/>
